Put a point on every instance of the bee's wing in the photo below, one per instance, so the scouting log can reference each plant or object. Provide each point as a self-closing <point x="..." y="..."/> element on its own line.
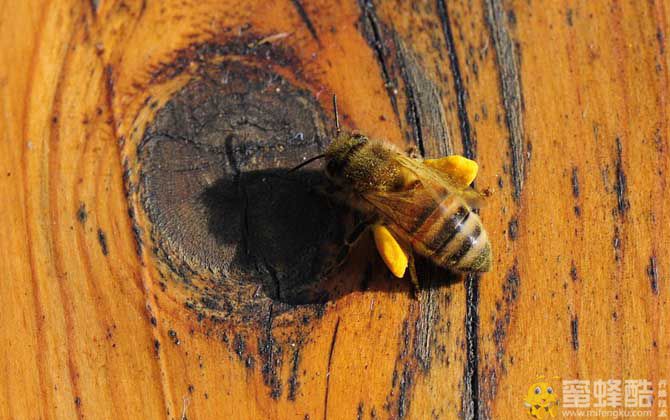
<point x="438" y="183"/>
<point x="407" y="209"/>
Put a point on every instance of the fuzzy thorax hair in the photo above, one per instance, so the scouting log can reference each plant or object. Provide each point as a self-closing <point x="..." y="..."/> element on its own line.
<point x="354" y="161"/>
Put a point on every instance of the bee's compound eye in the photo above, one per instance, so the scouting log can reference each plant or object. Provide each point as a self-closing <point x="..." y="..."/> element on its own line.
<point x="538" y="390"/>
<point x="550" y="390"/>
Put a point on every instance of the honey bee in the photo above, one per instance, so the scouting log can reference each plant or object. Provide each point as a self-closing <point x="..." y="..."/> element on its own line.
<point x="422" y="206"/>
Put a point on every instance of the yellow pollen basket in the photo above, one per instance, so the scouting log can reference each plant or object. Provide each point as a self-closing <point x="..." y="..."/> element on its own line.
<point x="461" y="170"/>
<point x="394" y="256"/>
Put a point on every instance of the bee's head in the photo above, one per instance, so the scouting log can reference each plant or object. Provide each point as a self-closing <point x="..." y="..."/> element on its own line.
<point x="340" y="152"/>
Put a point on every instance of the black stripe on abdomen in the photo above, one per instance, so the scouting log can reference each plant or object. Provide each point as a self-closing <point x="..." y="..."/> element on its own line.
<point x="469" y="239"/>
<point x="451" y="226"/>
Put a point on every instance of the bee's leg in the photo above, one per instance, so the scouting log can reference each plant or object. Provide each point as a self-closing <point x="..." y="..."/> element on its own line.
<point x="349" y="242"/>
<point x="459" y="169"/>
<point x="395" y="256"/>
<point x="412" y="272"/>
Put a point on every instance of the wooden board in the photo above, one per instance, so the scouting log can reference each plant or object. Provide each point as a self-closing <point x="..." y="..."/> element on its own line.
<point x="157" y="262"/>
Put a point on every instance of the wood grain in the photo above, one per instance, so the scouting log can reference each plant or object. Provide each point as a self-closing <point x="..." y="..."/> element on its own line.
<point x="125" y="124"/>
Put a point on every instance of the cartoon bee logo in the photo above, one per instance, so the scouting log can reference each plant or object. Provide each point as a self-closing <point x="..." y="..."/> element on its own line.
<point x="541" y="400"/>
<point x="422" y="206"/>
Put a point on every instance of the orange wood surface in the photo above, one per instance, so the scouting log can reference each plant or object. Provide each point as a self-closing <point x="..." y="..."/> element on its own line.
<point x="562" y="104"/>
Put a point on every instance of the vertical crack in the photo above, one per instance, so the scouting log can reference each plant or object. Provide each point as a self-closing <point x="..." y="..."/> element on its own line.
<point x="471" y="398"/>
<point x="510" y="81"/>
<point x="469" y="144"/>
<point x="330" y="360"/>
<point x="413" y="113"/>
<point x="373" y="34"/>
<point x="305" y="18"/>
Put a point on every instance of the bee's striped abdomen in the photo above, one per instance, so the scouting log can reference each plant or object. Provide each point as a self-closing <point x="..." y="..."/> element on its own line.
<point x="453" y="237"/>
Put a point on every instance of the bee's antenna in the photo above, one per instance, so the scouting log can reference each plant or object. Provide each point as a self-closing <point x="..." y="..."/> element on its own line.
<point x="337" y="116"/>
<point x="310" y="160"/>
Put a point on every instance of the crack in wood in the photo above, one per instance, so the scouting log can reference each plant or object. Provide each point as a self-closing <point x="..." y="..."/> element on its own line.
<point x="305" y="18"/>
<point x="621" y="184"/>
<point x="412" y="114"/>
<point x="102" y="239"/>
<point x="471" y="377"/>
<point x="373" y="34"/>
<point x="469" y="143"/>
<point x="510" y="83"/>
<point x="425" y="112"/>
<point x="330" y="360"/>
<point x="574" y="329"/>
<point x="427" y="318"/>
<point x="293" y="382"/>
<point x="271" y="355"/>
<point x="403" y="390"/>
<point x="652" y="272"/>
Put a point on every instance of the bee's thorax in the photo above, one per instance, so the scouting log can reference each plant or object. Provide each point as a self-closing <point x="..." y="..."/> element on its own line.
<point x="353" y="161"/>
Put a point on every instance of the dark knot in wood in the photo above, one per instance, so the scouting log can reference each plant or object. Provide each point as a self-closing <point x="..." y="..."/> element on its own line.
<point x="226" y="218"/>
